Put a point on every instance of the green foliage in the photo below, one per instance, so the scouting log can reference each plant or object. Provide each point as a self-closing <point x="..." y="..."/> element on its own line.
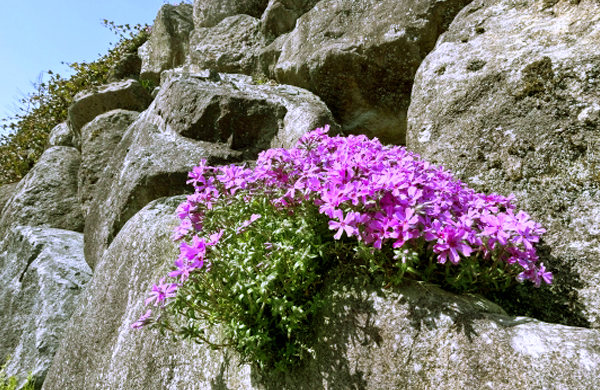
<point x="42" y="110"/>
<point x="11" y="383"/>
<point x="264" y="290"/>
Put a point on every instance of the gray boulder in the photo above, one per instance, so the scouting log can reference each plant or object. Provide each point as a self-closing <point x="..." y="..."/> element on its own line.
<point x="209" y="13"/>
<point x="281" y="15"/>
<point x="127" y="95"/>
<point x="237" y="112"/>
<point x="232" y="46"/>
<point x="193" y="117"/>
<point x="169" y="42"/>
<point x="366" y="337"/>
<point x="360" y="57"/>
<point x="508" y="100"/>
<point x="62" y="135"/>
<point x="99" y="139"/>
<point x="43" y="273"/>
<point x="47" y="195"/>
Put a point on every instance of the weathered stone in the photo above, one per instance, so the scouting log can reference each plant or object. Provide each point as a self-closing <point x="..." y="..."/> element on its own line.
<point x="232" y="46"/>
<point x="415" y="337"/>
<point x="99" y="139"/>
<point x="209" y="13"/>
<point x="235" y="111"/>
<point x="62" y="135"/>
<point x="508" y="101"/>
<point x="127" y="95"/>
<point x="169" y="42"/>
<point x="360" y="57"/>
<point x="47" y="195"/>
<point x="281" y="15"/>
<point x="6" y="192"/>
<point x="42" y="273"/>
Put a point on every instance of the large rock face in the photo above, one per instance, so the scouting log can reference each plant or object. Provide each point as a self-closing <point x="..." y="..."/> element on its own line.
<point x="99" y="139"/>
<point x="281" y="15"/>
<point x="126" y="95"/>
<point x="361" y="56"/>
<point x="415" y="337"/>
<point x="169" y="41"/>
<point x="509" y="101"/>
<point x="47" y="195"/>
<point x="193" y="118"/>
<point x="233" y="46"/>
<point x="42" y="273"/>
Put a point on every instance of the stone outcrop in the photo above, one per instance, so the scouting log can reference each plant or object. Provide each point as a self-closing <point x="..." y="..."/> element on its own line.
<point x="169" y="42"/>
<point x="232" y="46"/>
<point x="47" y="195"/>
<point x="413" y="337"/>
<point x="281" y="15"/>
<point x="99" y="139"/>
<point x="126" y="95"/>
<point x="209" y="13"/>
<point x="360" y="57"/>
<point x="508" y="101"/>
<point x="42" y="273"/>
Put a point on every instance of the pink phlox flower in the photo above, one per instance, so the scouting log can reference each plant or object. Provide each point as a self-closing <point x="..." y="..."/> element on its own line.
<point x="182" y="270"/>
<point x="343" y="224"/>
<point x="449" y="243"/>
<point x="527" y="230"/>
<point x="247" y="223"/>
<point x="161" y="292"/>
<point x="407" y="226"/>
<point x="494" y="227"/>
<point x="197" y="249"/>
<point x="182" y="230"/>
<point x="544" y="275"/>
<point x="185" y="209"/>
<point x="215" y="237"/>
<point x="233" y="177"/>
<point x="143" y="320"/>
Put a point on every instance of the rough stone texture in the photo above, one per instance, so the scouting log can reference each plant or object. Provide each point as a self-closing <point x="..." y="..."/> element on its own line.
<point x="232" y="46"/>
<point x="6" y="192"/>
<point x="127" y="95"/>
<point x="99" y="139"/>
<point x="62" y="135"/>
<point x="169" y="41"/>
<point x="360" y="57"/>
<point x="47" y="195"/>
<point x="509" y="101"/>
<point x="42" y="273"/>
<point x="416" y="337"/>
<point x="281" y="15"/>
<point x="208" y="13"/>
<point x="235" y="111"/>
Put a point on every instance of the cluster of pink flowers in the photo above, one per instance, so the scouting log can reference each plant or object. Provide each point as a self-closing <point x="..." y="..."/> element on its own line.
<point x="378" y="194"/>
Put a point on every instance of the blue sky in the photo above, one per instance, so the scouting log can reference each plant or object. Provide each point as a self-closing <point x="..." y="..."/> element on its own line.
<point x="36" y="35"/>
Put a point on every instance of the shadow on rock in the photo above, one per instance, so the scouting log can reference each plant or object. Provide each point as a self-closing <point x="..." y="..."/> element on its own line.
<point x="558" y="303"/>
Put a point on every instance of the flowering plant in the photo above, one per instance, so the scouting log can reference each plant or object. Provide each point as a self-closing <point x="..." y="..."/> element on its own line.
<point x="264" y="239"/>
